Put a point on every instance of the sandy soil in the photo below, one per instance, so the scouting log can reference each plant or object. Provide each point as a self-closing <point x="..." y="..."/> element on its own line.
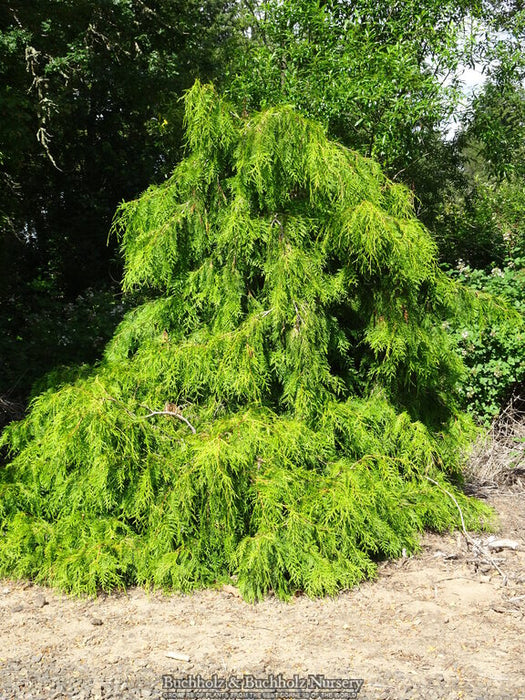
<point x="443" y="624"/>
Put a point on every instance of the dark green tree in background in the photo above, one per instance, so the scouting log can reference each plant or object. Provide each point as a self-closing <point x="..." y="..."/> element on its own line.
<point x="88" y="90"/>
<point x="480" y="227"/>
<point x="374" y="73"/>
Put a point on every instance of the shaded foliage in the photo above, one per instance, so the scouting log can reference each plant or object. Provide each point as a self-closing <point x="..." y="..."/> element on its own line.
<point x="481" y="231"/>
<point x="88" y="90"/>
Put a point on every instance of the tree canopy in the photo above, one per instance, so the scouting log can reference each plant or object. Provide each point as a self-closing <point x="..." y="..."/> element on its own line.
<point x="90" y="115"/>
<point x="281" y="409"/>
<point x="91" y="84"/>
<point x="88" y="91"/>
<point x="381" y="76"/>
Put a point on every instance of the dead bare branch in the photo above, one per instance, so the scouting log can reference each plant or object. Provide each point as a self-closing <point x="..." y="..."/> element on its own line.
<point x="169" y="410"/>
<point x="175" y="414"/>
<point x="499" y="456"/>
<point x="470" y="541"/>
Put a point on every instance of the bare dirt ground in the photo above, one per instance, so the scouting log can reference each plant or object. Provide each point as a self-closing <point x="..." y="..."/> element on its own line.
<point x="443" y="624"/>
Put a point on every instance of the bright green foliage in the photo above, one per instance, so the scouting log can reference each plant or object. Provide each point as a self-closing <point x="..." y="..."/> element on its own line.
<point x="273" y="411"/>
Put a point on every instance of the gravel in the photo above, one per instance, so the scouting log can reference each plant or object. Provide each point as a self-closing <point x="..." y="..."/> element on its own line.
<point x="38" y="678"/>
<point x="33" y="678"/>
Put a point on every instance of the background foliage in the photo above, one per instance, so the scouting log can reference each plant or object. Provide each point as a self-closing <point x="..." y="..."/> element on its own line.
<point x="494" y="355"/>
<point x="480" y="225"/>
<point x="87" y="93"/>
<point x="372" y="72"/>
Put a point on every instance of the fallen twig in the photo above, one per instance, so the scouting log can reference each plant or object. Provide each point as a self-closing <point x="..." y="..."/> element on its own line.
<point x="516" y="598"/>
<point x="487" y="558"/>
<point x="502" y="544"/>
<point x="177" y="655"/>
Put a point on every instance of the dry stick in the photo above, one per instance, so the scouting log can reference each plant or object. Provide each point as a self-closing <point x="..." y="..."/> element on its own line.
<point x="153" y="413"/>
<point x="516" y="598"/>
<point x="174" y="414"/>
<point x="468" y="538"/>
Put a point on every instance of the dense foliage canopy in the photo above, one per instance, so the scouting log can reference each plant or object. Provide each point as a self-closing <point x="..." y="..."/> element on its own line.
<point x="280" y="410"/>
<point x="90" y="115"/>
<point x="374" y="73"/>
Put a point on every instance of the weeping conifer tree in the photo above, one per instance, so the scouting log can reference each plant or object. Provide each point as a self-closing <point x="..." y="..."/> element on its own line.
<point x="280" y="411"/>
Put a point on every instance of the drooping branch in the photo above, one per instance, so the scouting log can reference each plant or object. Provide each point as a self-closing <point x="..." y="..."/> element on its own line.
<point x="44" y="104"/>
